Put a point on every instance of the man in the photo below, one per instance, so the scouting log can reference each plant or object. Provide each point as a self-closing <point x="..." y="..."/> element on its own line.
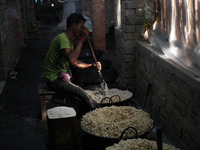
<point x="62" y="53"/>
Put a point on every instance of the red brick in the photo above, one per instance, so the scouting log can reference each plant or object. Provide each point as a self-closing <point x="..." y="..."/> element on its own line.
<point x="97" y="7"/>
<point x="99" y="24"/>
<point x="125" y="5"/>
<point x="85" y="3"/>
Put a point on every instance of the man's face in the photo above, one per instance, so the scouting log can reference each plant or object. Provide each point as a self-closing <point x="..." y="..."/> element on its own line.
<point x="78" y="28"/>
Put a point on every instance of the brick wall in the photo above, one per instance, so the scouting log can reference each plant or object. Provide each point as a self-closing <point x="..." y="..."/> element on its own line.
<point x="126" y="36"/>
<point x="12" y="33"/>
<point x="3" y="37"/>
<point x="175" y="93"/>
<point x="12" y="44"/>
<point x="98" y="19"/>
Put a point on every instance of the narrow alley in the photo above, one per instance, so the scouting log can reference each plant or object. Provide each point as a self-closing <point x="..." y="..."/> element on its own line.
<point x="150" y="48"/>
<point x="21" y="127"/>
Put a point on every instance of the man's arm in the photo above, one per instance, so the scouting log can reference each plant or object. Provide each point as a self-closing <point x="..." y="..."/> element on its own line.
<point x="82" y="65"/>
<point x="75" y="62"/>
<point x="73" y="55"/>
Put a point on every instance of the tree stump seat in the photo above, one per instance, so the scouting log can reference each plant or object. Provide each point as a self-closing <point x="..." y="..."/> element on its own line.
<point x="46" y="95"/>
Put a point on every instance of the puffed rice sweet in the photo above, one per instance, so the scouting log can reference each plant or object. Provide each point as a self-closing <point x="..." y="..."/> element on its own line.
<point x="139" y="144"/>
<point x="98" y="95"/>
<point x="110" y="122"/>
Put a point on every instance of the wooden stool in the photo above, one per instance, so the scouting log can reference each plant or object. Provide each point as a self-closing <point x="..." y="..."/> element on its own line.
<point x="47" y="95"/>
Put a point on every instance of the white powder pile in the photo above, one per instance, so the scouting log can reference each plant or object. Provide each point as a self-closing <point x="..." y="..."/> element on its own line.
<point x="111" y="121"/>
<point x="61" y="112"/>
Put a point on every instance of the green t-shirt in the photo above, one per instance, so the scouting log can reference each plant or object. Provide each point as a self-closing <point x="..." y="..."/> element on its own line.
<point x="55" y="60"/>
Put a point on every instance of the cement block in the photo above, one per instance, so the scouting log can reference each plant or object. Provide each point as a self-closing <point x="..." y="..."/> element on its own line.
<point x="130" y="4"/>
<point x="138" y="28"/>
<point x="131" y="36"/>
<point x="129" y="82"/>
<point x="129" y="66"/>
<point x="133" y="20"/>
<point x="129" y="28"/>
<point x="129" y="12"/>
<point x="139" y="12"/>
<point x="130" y="74"/>
<point x="129" y="47"/>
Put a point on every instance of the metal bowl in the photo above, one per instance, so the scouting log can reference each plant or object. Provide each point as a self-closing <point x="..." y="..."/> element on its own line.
<point x="134" y="134"/>
<point x="107" y="101"/>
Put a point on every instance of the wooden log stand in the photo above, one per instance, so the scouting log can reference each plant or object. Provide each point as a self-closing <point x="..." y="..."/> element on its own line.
<point x="46" y="95"/>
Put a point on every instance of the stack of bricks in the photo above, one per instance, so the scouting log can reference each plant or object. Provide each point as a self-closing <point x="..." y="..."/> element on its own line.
<point x="99" y="35"/>
<point x="132" y="23"/>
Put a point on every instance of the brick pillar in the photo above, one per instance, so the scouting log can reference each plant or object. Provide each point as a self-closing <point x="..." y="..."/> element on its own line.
<point x="132" y="19"/>
<point x="99" y="35"/>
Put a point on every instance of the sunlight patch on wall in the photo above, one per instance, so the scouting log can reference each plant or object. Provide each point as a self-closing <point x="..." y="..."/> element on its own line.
<point x="176" y="31"/>
<point x="118" y="14"/>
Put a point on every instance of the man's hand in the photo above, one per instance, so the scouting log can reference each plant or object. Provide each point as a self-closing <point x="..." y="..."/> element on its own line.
<point x="84" y="33"/>
<point x="98" y="65"/>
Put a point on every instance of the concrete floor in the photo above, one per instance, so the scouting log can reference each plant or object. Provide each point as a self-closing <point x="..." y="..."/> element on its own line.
<point x="21" y="127"/>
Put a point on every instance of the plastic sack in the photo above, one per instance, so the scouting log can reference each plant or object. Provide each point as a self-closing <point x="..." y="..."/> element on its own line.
<point x="65" y="76"/>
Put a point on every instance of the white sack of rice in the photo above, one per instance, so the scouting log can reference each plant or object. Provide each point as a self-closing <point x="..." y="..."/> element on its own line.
<point x="98" y="95"/>
<point x="110" y="122"/>
<point x="139" y="144"/>
<point x="61" y="112"/>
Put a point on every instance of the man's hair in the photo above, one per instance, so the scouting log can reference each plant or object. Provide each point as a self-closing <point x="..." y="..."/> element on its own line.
<point x="74" y="18"/>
